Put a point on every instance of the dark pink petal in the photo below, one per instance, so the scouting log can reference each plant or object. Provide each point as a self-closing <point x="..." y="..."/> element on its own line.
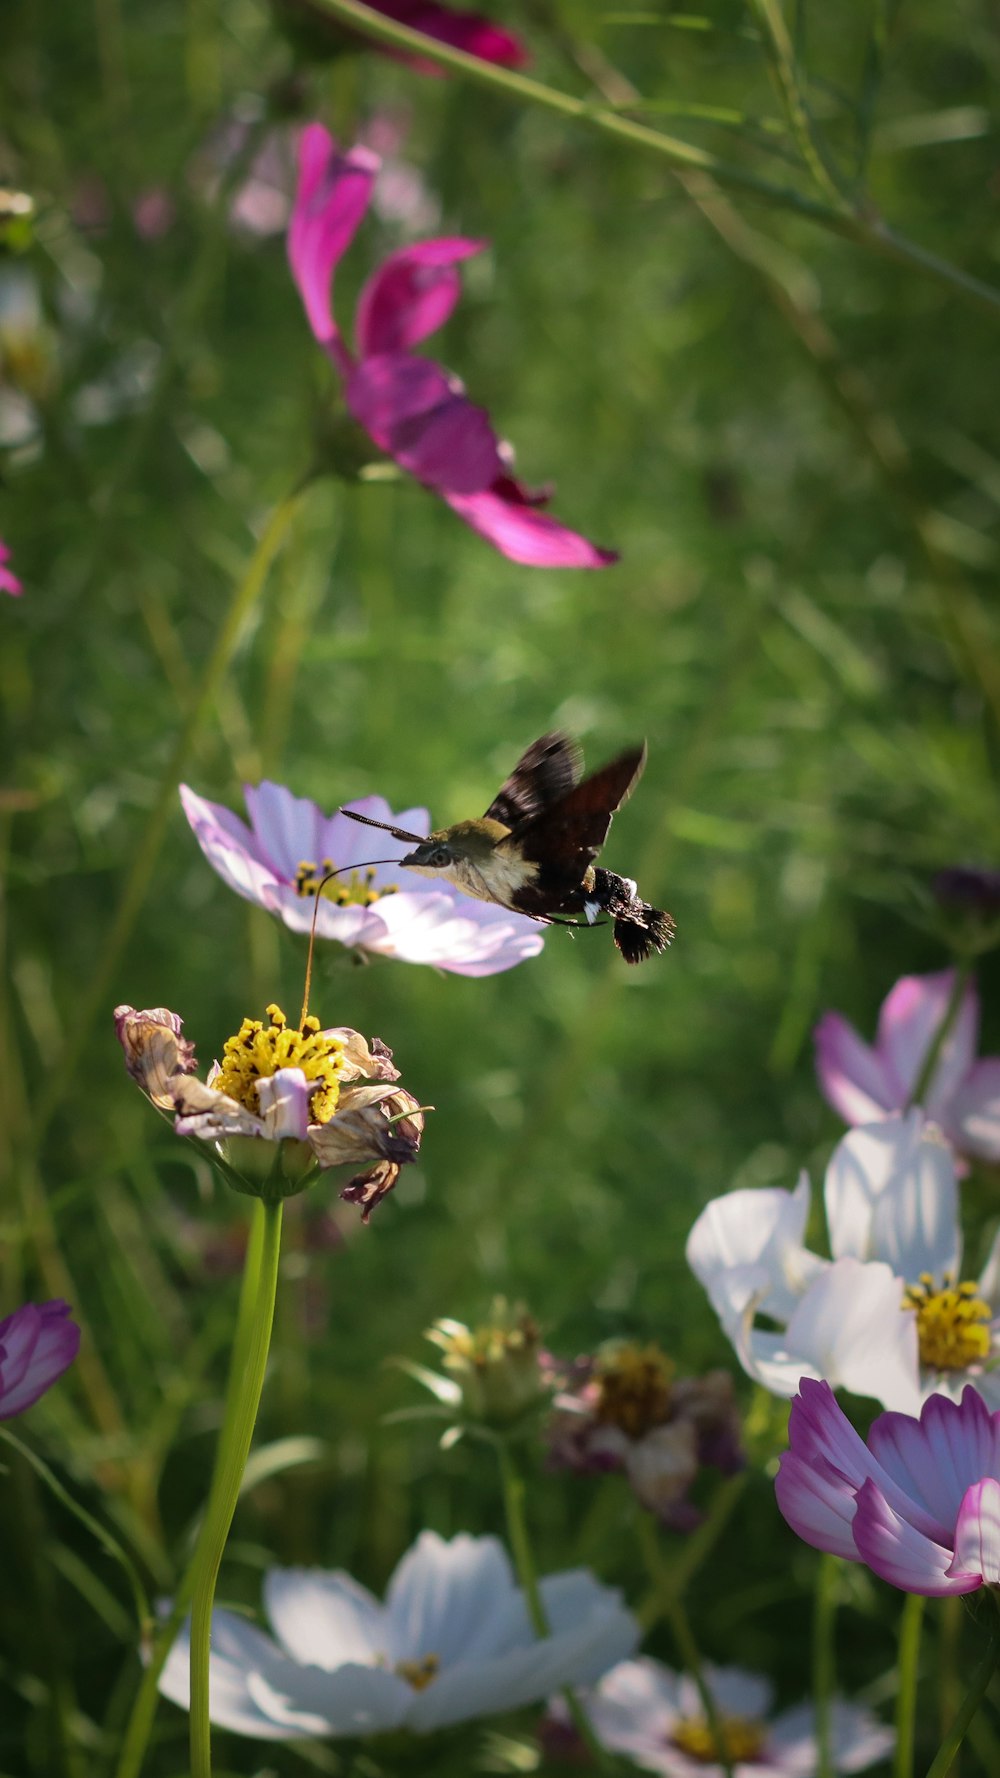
<point x="853" y="1078"/>
<point x="412" y="293"/>
<point x="523" y="534"/>
<point x="817" y="1503"/>
<point x="902" y="1555"/>
<point x="936" y="1458"/>
<point x="977" y="1533"/>
<point x="37" y="1343"/>
<point x="820" y="1433"/>
<point x="411" y="410"/>
<point x="9" y="582"/>
<point x="468" y="31"/>
<point x="331" y="198"/>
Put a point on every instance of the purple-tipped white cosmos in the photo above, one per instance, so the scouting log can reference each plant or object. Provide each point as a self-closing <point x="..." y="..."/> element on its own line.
<point x="890" y="1315"/>
<point x="9" y="582"/>
<point x="289" y="846"/>
<point x="920" y="1503"/>
<point x="37" y="1343"/>
<point x="864" y="1082"/>
<point x="416" y="412"/>
<point x="453" y="1641"/>
<point x="655" y="1716"/>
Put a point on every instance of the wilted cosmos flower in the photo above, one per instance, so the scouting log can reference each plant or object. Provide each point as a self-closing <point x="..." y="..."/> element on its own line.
<point x="9" y="582"/>
<point x="890" y="1316"/>
<point x="624" y="1409"/>
<point x="452" y="1642"/>
<point x="920" y="1503"/>
<point x="415" y="411"/>
<point x="864" y="1082"/>
<point x="280" y="860"/>
<point x="37" y="1343"/>
<point x="497" y="1371"/>
<point x="656" y="1717"/>
<point x="317" y="1098"/>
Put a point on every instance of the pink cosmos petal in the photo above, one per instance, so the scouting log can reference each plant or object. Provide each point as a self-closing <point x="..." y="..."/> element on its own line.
<point x="523" y="534"/>
<point x="902" y="1555"/>
<point x="936" y="1458"/>
<point x="330" y="201"/>
<point x="853" y="1078"/>
<point x="467" y="938"/>
<point x="37" y="1343"/>
<point x="284" y="1104"/>
<point x="911" y="1015"/>
<point x="977" y="1534"/>
<point x="468" y="31"/>
<point x="9" y="582"/>
<point x="413" y="412"/>
<point x="820" y="1434"/>
<point x="818" y="1504"/>
<point x="973" y="1116"/>
<point x="411" y="295"/>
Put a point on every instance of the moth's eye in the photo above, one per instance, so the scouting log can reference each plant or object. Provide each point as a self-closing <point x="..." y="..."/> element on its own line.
<point x="440" y="857"/>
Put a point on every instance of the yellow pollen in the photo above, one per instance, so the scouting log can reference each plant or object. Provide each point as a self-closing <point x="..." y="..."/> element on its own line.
<point x="634" y="1388"/>
<point x="953" y="1323"/>
<point x="420" y="1673"/>
<point x="258" y="1051"/>
<point x="742" y="1739"/>
<point x="347" y="891"/>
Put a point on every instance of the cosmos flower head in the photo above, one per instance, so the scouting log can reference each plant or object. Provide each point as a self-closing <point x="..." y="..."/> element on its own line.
<point x="284" y="1103"/>
<point x="864" y="1082"/>
<point x="37" y="1343"/>
<point x="624" y="1409"/>
<point x="655" y="1717"/>
<point x="919" y="1503"/>
<point x="893" y="1314"/>
<point x="452" y="1642"/>
<point x="497" y="1372"/>
<point x="413" y="409"/>
<point x="468" y="31"/>
<point x="9" y="582"/>
<point x="280" y="859"/>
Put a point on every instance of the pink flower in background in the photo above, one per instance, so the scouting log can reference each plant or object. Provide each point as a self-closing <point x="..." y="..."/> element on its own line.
<point x="919" y="1504"/>
<point x="468" y="31"/>
<point x="415" y="411"/>
<point x="37" y="1343"/>
<point x="866" y="1082"/>
<point x="9" y="582"/>
<point x="279" y="860"/>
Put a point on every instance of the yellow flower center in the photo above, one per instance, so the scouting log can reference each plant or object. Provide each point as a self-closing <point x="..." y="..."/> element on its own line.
<point x="347" y="891"/>
<point x="634" y="1388"/>
<point x="419" y="1673"/>
<point x="953" y="1323"/>
<point x="742" y="1739"/>
<point x="258" y="1051"/>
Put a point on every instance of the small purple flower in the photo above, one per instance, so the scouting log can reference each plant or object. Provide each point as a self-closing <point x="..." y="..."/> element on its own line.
<point x="9" y="582"/>
<point x="414" y="410"/>
<point x="279" y="861"/>
<point x="37" y="1343"/>
<point x="919" y="1504"/>
<point x="865" y="1083"/>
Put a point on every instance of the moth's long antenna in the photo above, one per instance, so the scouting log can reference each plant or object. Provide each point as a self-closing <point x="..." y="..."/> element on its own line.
<point x="312" y="930"/>
<point x="398" y="833"/>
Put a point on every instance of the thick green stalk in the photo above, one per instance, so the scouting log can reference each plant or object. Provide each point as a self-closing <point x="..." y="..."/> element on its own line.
<point x="941" y="1763"/>
<point x="234" y="1447"/>
<point x="910" y="1625"/>
<point x="824" y="1659"/>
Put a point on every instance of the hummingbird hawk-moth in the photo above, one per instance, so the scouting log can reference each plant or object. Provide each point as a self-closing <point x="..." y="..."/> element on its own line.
<point x="534" y="849"/>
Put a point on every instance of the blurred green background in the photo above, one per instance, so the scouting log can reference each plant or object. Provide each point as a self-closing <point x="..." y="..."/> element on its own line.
<point x="791" y="438"/>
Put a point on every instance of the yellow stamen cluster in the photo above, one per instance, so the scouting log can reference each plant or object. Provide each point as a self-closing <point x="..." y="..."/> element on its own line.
<point x="258" y="1051"/>
<point x="952" y="1323"/>
<point x="420" y="1673"/>
<point x="742" y="1739"/>
<point x="353" y="891"/>
<point x="634" y="1387"/>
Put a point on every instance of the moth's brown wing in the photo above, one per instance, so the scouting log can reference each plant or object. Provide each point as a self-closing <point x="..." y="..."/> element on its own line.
<point x="550" y="767"/>
<point x="564" y="841"/>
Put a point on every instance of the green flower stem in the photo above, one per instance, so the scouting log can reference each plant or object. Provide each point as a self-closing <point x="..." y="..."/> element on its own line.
<point x="910" y="1626"/>
<point x="234" y="1447"/>
<point x="673" y="1582"/>
<point x="941" y="1763"/>
<point x="934" y="1048"/>
<point x="824" y="1659"/>
<point x="864" y="227"/>
<point x="672" y="1610"/>
<point x="527" y="1573"/>
<point x="774" y="32"/>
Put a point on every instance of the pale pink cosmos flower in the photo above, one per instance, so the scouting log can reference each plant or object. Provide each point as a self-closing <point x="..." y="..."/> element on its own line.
<point x="919" y="1504"/>
<point x="413" y="409"/>
<point x="866" y="1082"/>
<point x="37" y="1343"/>
<point x="280" y="858"/>
<point x="9" y="582"/>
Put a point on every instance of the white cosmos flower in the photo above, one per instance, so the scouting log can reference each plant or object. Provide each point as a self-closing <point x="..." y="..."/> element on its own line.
<point x="453" y="1641"/>
<point x="889" y="1315"/>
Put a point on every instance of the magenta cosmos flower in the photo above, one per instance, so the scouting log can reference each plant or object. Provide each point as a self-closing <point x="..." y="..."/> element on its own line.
<point x="37" y="1343"/>
<point x="279" y="860"/>
<point x="469" y="31"/>
<point x="865" y="1082"/>
<point x="416" y="412"/>
<point x="919" y="1504"/>
<point x="9" y="582"/>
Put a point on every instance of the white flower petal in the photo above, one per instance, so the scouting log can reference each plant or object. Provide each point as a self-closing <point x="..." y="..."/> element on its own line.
<point x="748" y="1235"/>
<point x="239" y="1654"/>
<point x="851" y="1328"/>
<point x="448" y="1599"/>
<point x="284" y="1104"/>
<point x="890" y="1194"/>
<point x="355" y="1700"/>
<point x="857" y="1739"/>
<point x="325" y="1618"/>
